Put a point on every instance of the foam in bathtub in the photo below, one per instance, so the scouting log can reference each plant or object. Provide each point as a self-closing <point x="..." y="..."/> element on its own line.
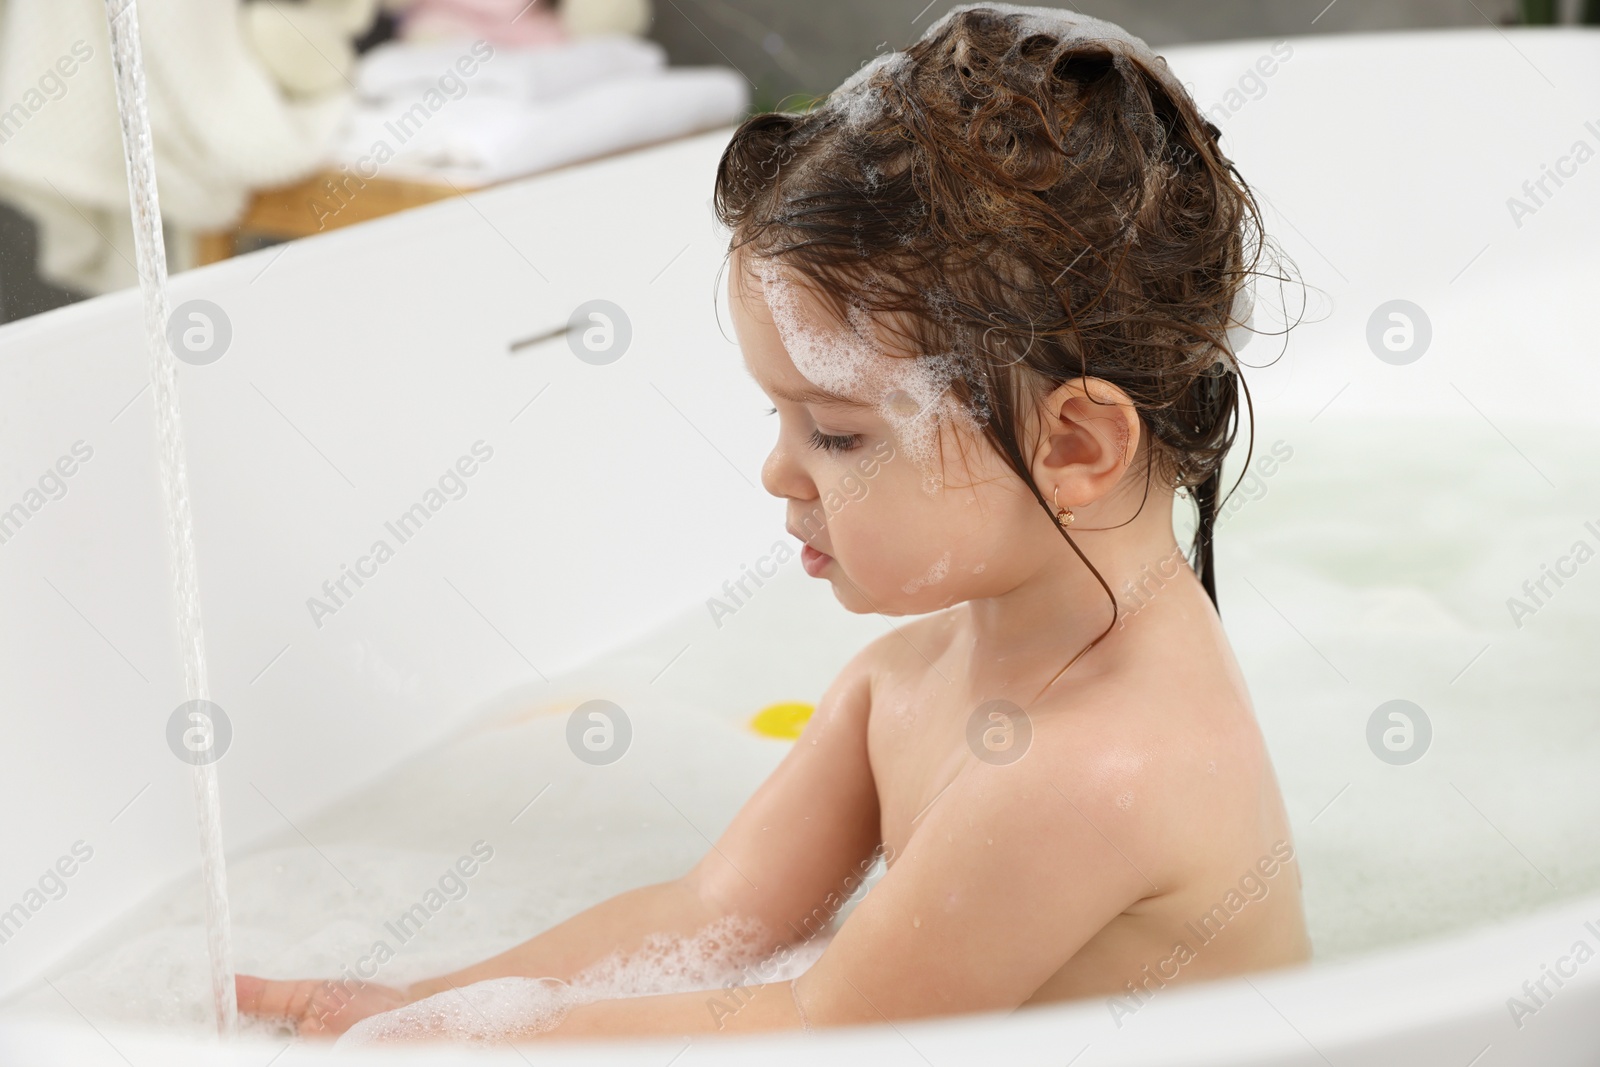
<point x="1369" y="536"/>
<point x="301" y="912"/>
<point x="724" y="954"/>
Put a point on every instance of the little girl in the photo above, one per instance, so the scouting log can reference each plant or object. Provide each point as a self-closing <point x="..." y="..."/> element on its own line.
<point x="1008" y="265"/>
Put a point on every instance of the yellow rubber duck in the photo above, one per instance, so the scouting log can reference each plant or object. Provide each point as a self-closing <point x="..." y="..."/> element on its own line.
<point x="782" y="721"/>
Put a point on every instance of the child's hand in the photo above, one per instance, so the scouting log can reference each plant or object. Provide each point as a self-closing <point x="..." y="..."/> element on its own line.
<point x="316" y="1007"/>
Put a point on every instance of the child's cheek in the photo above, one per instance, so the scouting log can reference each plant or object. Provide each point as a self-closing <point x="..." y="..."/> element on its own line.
<point x="872" y="552"/>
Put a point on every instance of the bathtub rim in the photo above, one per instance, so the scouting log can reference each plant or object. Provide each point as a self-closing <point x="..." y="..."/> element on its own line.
<point x="1370" y="1001"/>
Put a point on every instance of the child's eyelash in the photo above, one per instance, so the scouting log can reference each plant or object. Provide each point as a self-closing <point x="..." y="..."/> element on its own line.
<point x="829" y="442"/>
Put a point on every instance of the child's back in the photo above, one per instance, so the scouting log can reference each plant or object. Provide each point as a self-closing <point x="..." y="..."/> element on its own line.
<point x="1155" y="752"/>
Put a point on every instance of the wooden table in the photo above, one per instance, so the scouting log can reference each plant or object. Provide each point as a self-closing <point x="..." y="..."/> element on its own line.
<point x="333" y="198"/>
<point x="320" y="203"/>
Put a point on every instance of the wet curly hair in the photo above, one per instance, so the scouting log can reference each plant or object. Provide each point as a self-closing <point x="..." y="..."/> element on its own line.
<point x="1047" y="205"/>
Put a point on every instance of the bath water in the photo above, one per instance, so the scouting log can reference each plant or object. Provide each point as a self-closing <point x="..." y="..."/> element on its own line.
<point x="123" y="16"/>
<point x="1357" y="565"/>
<point x="546" y="835"/>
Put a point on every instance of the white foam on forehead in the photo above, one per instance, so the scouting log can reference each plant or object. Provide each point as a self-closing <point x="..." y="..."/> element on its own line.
<point x="911" y="393"/>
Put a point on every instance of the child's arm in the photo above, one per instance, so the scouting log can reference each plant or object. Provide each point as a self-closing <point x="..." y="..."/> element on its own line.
<point x="1009" y="873"/>
<point x="798" y="839"/>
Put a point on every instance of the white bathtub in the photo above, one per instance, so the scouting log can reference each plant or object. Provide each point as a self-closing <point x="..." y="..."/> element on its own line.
<point x="1374" y="565"/>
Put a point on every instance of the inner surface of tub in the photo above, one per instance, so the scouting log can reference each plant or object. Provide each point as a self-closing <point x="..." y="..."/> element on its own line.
<point x="1369" y="560"/>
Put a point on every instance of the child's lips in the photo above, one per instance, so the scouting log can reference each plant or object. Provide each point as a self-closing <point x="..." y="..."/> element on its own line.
<point x="812" y="559"/>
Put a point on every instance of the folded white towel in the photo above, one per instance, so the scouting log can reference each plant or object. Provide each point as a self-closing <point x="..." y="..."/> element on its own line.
<point x="404" y="70"/>
<point x="477" y="140"/>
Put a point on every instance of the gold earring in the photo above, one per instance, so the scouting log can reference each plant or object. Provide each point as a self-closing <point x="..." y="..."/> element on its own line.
<point x="1063" y="515"/>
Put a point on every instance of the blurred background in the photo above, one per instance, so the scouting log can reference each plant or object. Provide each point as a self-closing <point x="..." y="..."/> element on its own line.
<point x="277" y="119"/>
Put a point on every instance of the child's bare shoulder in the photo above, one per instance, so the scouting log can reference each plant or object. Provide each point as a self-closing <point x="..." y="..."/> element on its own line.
<point x="848" y="696"/>
<point x="1159" y="762"/>
<point x="885" y="669"/>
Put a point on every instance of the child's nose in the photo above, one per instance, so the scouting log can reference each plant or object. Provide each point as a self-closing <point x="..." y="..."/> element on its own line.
<point x="783" y="477"/>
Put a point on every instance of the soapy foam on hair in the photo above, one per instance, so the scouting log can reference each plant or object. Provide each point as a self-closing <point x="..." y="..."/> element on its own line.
<point x="1067" y="25"/>
<point x="858" y="101"/>
<point x="727" y="952"/>
<point x="911" y="393"/>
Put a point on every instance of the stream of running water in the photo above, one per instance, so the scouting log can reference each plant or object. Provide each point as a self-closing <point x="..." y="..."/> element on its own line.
<point x="123" y="16"/>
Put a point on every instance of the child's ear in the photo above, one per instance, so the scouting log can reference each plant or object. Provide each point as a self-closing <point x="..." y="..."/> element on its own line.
<point x="1088" y="433"/>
